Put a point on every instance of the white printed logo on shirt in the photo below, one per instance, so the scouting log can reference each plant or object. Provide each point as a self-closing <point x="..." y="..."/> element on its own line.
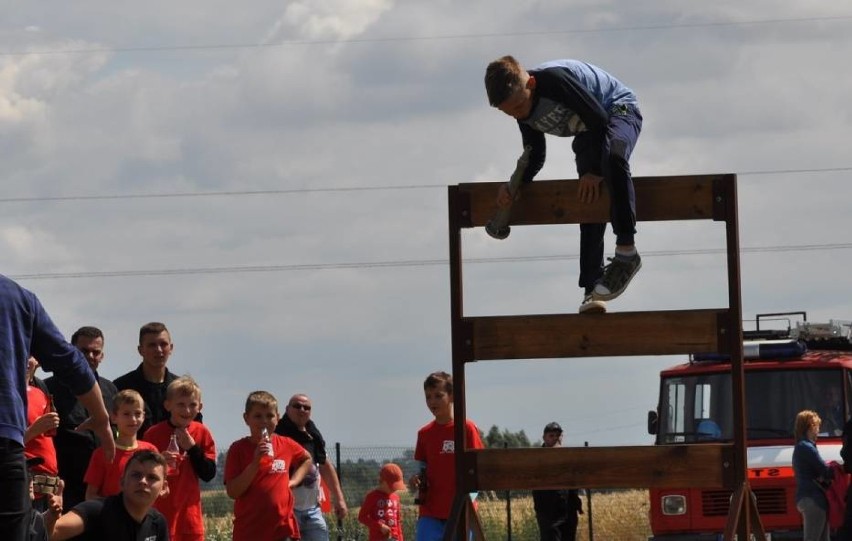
<point x="278" y="466"/>
<point x="449" y="447"/>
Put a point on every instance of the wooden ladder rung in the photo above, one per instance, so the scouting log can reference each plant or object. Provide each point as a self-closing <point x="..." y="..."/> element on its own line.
<point x="707" y="465"/>
<point x="685" y="197"/>
<point x="672" y="332"/>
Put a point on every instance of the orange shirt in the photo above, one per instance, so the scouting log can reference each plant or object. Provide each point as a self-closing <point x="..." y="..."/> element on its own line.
<point x="107" y="477"/>
<point x="182" y="506"/>
<point x="264" y="512"/>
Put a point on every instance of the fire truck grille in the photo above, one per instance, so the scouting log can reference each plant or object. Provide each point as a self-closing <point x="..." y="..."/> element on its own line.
<point x="770" y="501"/>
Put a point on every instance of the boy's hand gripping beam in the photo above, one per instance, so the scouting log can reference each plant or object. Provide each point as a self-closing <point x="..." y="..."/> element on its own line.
<point x="498" y="226"/>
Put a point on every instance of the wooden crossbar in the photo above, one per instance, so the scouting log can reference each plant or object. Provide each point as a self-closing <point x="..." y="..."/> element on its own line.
<point x="692" y="197"/>
<point x="702" y="466"/>
<point x="550" y="336"/>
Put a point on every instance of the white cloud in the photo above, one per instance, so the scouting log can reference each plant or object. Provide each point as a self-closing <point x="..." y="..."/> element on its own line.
<point x="333" y="19"/>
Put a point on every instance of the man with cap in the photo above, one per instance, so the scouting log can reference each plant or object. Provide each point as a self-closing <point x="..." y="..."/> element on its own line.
<point x="556" y="510"/>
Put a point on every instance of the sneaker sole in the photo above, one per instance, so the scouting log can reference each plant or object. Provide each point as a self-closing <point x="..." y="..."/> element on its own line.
<point x="594" y="307"/>
<point x="615" y="294"/>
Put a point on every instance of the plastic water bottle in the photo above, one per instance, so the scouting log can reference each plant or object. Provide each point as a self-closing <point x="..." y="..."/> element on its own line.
<point x="266" y="459"/>
<point x="174" y="450"/>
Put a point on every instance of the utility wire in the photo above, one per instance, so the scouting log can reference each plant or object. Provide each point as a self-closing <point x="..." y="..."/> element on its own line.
<point x="297" y="42"/>
<point x="401" y="263"/>
<point x="339" y="189"/>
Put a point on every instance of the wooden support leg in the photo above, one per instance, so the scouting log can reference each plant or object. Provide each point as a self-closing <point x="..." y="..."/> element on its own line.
<point x="742" y="497"/>
<point x="463" y="522"/>
<point x="456" y="523"/>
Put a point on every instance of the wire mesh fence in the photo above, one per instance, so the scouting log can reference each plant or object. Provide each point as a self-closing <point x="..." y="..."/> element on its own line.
<point x="505" y="515"/>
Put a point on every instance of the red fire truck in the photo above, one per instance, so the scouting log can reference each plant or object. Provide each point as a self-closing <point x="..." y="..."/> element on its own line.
<point x="802" y="366"/>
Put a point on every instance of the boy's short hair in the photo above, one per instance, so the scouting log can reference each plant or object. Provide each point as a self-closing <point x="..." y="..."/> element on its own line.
<point x="127" y="397"/>
<point x="438" y="379"/>
<point x="804" y="420"/>
<point x="154" y="327"/>
<point x="87" y="332"/>
<point x="261" y="398"/>
<point x="147" y="455"/>
<point x="503" y="78"/>
<point x="183" y="386"/>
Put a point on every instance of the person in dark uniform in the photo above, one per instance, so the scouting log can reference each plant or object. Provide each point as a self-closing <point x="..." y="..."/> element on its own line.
<point x="556" y="510"/>
<point x="74" y="447"/>
<point x="128" y="516"/>
<point x="151" y="378"/>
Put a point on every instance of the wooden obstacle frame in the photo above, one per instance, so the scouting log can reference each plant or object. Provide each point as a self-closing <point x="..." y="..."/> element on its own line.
<point x="674" y="332"/>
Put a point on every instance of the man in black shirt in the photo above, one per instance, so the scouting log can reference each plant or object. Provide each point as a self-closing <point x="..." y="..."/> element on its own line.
<point x="296" y="424"/>
<point x="74" y="447"/>
<point x="556" y="510"/>
<point x="151" y="378"/>
<point x="128" y="516"/>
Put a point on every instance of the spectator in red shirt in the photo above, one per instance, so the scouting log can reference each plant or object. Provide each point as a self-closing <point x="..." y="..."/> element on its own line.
<point x="435" y="451"/>
<point x="103" y="478"/>
<point x="381" y="511"/>
<point x="257" y="475"/>
<point x="38" y="439"/>
<point x="195" y="458"/>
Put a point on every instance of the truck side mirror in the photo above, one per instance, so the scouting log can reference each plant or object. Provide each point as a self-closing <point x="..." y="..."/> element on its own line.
<point x="652" y="422"/>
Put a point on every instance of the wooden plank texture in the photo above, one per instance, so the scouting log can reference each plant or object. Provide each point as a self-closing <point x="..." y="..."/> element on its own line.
<point x="550" y="336"/>
<point x="555" y="201"/>
<point x="698" y="466"/>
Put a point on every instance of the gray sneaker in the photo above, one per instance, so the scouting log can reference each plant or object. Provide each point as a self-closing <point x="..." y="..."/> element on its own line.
<point x="591" y="305"/>
<point x="616" y="277"/>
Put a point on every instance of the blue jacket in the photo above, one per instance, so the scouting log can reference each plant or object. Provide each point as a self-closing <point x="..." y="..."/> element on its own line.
<point x="808" y="465"/>
<point x="26" y="330"/>
<point x="572" y="99"/>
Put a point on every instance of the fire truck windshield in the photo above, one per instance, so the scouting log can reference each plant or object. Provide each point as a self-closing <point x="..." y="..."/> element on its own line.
<point x="698" y="408"/>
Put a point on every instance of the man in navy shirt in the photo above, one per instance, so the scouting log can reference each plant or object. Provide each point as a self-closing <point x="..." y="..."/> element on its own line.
<point x="26" y="330"/>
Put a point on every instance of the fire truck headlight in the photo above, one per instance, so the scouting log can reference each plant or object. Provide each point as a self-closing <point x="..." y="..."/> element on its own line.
<point x="674" y="504"/>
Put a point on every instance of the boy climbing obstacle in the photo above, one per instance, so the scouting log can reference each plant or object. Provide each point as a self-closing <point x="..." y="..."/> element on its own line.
<point x="571" y="98"/>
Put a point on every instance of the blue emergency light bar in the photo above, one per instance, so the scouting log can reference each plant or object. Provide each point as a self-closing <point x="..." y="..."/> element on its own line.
<point x="764" y="349"/>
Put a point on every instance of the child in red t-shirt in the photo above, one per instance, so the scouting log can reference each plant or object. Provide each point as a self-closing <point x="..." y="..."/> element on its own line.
<point x="128" y="413"/>
<point x="381" y="512"/>
<point x="38" y="440"/>
<point x="435" y="451"/>
<point x="257" y="475"/>
<point x="194" y="460"/>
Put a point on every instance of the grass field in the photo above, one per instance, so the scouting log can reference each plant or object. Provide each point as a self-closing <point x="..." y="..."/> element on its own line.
<point x="617" y="516"/>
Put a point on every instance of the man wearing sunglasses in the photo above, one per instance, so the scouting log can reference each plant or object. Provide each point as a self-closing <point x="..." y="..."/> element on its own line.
<point x="296" y="424"/>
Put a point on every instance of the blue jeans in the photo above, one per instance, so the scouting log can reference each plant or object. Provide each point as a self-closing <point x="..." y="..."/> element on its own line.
<point x="312" y="524"/>
<point x="430" y="529"/>
<point x="15" y="495"/>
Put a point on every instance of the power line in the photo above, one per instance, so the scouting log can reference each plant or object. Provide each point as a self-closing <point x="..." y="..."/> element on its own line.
<point x="338" y="189"/>
<point x="400" y="263"/>
<point x="286" y="43"/>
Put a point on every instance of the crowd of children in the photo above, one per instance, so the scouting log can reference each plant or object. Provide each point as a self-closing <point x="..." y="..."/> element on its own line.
<point x="151" y="488"/>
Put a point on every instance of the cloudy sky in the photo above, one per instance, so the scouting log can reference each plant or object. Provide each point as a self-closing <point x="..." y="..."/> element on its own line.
<point x="269" y="179"/>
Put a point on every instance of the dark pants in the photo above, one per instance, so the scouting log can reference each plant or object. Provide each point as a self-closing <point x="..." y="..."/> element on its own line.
<point x="845" y="532"/>
<point x="558" y="529"/>
<point x="622" y="132"/>
<point x="15" y="494"/>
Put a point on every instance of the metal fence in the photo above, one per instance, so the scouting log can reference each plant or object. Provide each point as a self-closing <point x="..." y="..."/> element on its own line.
<point x="505" y="515"/>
